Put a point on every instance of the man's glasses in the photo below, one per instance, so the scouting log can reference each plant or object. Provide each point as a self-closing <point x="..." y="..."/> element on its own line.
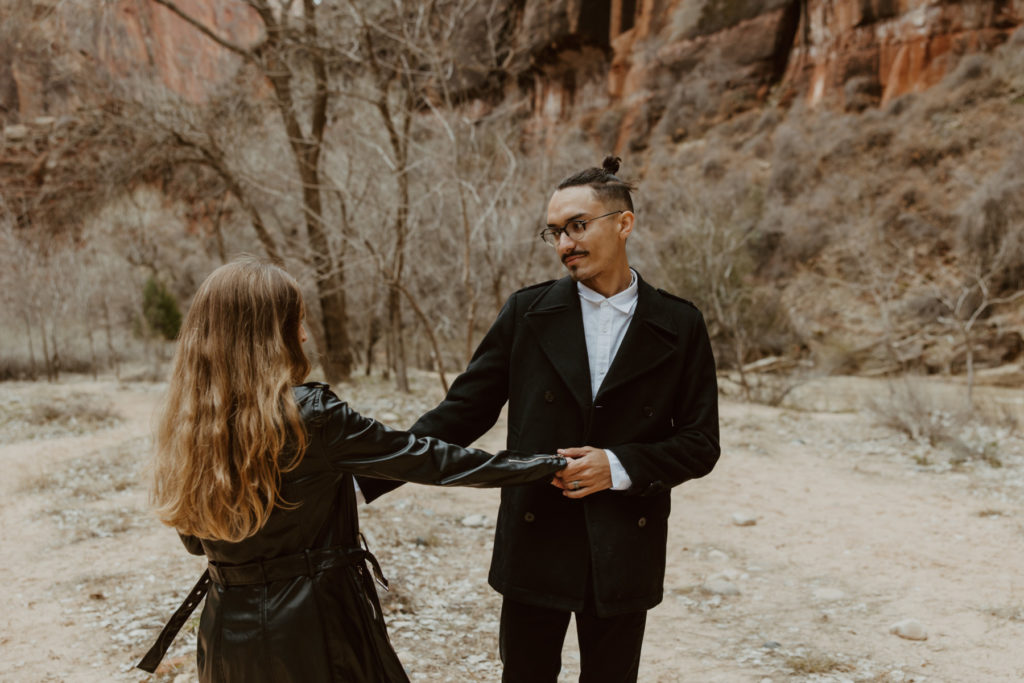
<point x="574" y="229"/>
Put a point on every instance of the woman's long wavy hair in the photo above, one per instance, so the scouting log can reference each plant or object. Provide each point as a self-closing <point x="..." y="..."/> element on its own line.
<point x="230" y="426"/>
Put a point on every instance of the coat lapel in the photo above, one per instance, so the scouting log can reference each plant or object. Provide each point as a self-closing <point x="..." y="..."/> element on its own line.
<point x="557" y="321"/>
<point x="648" y="342"/>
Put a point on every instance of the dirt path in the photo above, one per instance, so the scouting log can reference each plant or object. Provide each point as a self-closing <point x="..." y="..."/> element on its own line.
<point x="851" y="534"/>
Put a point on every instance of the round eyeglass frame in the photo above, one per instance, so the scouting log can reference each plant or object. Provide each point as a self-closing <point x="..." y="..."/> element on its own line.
<point x="575" y="229"/>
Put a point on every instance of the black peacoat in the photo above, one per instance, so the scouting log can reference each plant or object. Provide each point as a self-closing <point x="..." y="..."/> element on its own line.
<point x="657" y="409"/>
<point x="294" y="602"/>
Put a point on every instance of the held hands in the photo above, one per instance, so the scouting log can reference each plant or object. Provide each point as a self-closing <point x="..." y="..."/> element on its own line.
<point x="587" y="472"/>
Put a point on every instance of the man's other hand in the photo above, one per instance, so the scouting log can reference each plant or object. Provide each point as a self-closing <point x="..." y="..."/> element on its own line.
<point x="587" y="472"/>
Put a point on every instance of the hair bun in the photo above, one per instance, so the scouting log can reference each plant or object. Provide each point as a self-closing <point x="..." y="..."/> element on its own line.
<point x="611" y="164"/>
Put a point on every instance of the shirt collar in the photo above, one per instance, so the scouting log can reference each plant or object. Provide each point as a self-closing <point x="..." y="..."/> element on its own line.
<point x="624" y="301"/>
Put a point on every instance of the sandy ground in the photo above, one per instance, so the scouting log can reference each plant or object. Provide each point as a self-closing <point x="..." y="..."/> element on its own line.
<point x="849" y="528"/>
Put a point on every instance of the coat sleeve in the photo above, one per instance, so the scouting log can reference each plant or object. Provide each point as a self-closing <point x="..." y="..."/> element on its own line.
<point x="359" y="445"/>
<point x="473" y="402"/>
<point x="693" y="449"/>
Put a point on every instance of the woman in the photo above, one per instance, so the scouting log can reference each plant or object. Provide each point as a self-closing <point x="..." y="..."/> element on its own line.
<point x="256" y="473"/>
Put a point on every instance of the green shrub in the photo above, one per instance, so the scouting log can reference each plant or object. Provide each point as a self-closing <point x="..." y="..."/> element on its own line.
<point x="160" y="309"/>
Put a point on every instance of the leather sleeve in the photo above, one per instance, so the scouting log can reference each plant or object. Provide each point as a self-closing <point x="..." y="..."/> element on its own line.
<point x="692" y="451"/>
<point x="473" y="402"/>
<point x="359" y="445"/>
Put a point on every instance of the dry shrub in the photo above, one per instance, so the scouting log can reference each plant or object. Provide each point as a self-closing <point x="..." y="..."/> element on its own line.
<point x="77" y="413"/>
<point x="991" y="232"/>
<point x="967" y="435"/>
<point x="1008" y="612"/>
<point x="816" y="663"/>
<point x="971" y="67"/>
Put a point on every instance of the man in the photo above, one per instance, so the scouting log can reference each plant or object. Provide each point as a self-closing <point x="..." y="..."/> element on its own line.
<point x="599" y="357"/>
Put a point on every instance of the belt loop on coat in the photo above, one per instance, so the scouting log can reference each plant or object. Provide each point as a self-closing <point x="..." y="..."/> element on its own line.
<point x="309" y="563"/>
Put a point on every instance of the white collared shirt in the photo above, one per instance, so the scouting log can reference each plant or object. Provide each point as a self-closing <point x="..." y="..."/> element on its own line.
<point x="605" y="321"/>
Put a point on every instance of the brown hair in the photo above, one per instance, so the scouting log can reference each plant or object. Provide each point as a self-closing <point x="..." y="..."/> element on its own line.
<point x="230" y="418"/>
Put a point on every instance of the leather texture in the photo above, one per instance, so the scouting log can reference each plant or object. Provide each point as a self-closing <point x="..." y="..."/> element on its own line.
<point x="326" y="624"/>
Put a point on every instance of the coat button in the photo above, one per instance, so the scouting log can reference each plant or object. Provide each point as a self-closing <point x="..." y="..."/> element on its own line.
<point x="549" y="396"/>
<point x="529" y="517"/>
<point x="642" y="522"/>
<point x="648" y="411"/>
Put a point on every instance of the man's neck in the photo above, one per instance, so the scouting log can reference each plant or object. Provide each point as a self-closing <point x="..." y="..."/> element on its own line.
<point x="611" y="283"/>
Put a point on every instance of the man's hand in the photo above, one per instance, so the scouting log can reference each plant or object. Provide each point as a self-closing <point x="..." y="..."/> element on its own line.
<point x="587" y="472"/>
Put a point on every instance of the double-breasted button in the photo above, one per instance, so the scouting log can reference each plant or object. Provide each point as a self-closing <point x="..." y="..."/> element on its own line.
<point x="642" y="522"/>
<point x="549" y="396"/>
<point x="648" y="411"/>
<point x="529" y="517"/>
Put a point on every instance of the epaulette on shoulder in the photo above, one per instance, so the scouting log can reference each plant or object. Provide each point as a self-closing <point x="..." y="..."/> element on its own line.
<point x="677" y="298"/>
<point x="536" y="286"/>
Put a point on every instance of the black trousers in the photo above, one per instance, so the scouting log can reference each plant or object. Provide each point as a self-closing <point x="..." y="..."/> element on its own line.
<point x="531" y="638"/>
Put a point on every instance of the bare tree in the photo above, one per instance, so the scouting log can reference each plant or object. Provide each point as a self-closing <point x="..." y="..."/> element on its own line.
<point x="290" y="55"/>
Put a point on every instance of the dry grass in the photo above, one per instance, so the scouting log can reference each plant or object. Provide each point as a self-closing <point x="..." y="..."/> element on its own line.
<point x="74" y="414"/>
<point x="816" y="663"/>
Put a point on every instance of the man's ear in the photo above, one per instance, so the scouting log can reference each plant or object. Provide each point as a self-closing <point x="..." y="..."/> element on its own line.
<point x="626" y="220"/>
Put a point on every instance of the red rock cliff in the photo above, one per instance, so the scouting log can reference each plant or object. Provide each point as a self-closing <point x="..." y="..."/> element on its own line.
<point x="893" y="46"/>
<point x="628" y="69"/>
<point x="46" y="43"/>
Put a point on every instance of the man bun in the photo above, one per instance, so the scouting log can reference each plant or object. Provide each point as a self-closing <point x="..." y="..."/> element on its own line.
<point x="604" y="181"/>
<point x="611" y="165"/>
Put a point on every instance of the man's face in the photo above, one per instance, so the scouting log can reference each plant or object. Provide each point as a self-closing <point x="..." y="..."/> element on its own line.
<point x="602" y="246"/>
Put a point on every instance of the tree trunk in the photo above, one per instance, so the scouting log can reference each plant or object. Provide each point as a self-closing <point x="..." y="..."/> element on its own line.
<point x="93" y="361"/>
<point x="431" y="337"/>
<point x="397" y="340"/>
<point x="330" y="280"/>
<point x="969" y="348"/>
<point x="47" y="360"/>
<point x="111" y="350"/>
<point x="31" y="349"/>
<point x="372" y="337"/>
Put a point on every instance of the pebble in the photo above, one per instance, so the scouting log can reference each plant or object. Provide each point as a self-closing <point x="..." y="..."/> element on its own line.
<point x="717" y="555"/>
<point x="911" y="629"/>
<point x="474" y="520"/>
<point x="16" y="132"/>
<point x="720" y="587"/>
<point x="744" y="519"/>
<point x="829" y="594"/>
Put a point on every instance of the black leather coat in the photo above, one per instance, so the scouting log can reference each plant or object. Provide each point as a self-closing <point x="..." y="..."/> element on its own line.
<point x="326" y="625"/>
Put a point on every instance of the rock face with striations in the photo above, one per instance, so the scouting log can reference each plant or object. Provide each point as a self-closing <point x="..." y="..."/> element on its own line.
<point x="885" y="48"/>
<point x="124" y="39"/>
<point x="627" y="71"/>
<point x="633" y="70"/>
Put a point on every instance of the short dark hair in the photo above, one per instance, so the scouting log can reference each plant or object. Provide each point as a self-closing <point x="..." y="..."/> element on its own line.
<point x="603" y="181"/>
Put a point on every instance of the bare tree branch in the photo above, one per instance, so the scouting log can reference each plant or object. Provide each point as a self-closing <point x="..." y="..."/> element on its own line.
<point x="247" y="53"/>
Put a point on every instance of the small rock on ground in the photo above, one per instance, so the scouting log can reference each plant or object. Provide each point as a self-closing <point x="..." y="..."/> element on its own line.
<point x="911" y="629"/>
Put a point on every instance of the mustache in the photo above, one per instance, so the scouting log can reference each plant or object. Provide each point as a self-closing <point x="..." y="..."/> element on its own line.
<point x="574" y="253"/>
